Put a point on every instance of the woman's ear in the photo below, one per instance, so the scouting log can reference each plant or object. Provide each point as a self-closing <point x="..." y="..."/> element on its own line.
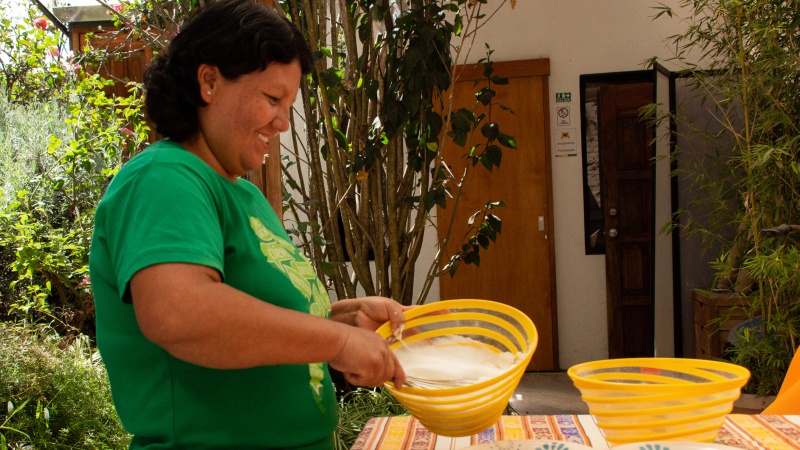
<point x="207" y="78"/>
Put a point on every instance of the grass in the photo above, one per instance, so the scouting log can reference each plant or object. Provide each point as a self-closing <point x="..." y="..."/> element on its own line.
<point x="54" y="393"/>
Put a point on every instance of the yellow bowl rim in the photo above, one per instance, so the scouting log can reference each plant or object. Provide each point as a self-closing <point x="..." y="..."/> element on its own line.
<point x="524" y="321"/>
<point x="741" y="373"/>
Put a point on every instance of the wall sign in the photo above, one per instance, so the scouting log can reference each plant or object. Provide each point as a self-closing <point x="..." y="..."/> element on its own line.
<point x="566" y="141"/>
<point x="563" y="97"/>
<point x="562" y="116"/>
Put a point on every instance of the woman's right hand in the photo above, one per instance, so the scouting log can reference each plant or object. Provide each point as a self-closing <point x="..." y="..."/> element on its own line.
<point x="366" y="360"/>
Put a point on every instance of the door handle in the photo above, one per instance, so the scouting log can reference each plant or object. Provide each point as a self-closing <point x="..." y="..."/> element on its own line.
<point x="612" y="232"/>
<point x="541" y="223"/>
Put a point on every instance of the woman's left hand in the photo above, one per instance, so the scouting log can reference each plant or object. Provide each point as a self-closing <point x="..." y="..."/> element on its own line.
<point x="369" y="312"/>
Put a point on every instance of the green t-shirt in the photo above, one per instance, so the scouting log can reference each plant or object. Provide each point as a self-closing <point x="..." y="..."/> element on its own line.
<point x="166" y="205"/>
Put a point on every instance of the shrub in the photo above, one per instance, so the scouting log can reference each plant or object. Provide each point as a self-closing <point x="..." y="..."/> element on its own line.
<point x="46" y="225"/>
<point x="59" y="148"/>
<point x="54" y="393"/>
<point x="24" y="134"/>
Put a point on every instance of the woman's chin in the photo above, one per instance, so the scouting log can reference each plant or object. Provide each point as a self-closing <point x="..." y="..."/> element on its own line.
<point x="255" y="164"/>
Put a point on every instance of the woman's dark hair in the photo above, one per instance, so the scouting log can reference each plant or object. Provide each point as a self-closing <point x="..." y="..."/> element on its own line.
<point x="236" y="36"/>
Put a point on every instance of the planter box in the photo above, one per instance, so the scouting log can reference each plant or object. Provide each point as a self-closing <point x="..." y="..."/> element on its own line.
<point x="752" y="404"/>
<point x="710" y="339"/>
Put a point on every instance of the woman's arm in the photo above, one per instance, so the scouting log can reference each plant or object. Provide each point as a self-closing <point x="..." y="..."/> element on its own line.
<point x="187" y="310"/>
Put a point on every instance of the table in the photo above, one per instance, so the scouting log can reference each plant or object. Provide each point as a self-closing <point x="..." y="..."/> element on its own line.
<point x="772" y="432"/>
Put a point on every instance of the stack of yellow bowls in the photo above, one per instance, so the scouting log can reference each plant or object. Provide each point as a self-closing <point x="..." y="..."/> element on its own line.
<point x="466" y="410"/>
<point x="659" y="399"/>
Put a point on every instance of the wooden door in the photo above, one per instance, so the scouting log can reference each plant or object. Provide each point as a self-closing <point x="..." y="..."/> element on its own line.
<point x="519" y="269"/>
<point x="627" y="176"/>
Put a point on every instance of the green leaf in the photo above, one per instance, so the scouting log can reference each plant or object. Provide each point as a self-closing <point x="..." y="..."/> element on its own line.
<point x="332" y="77"/>
<point x="483" y="240"/>
<point x="485" y="95"/>
<point x="474" y="259"/>
<point x="500" y="80"/>
<point x="490" y="131"/>
<point x="494" y="222"/>
<point x="341" y="139"/>
<point x="492" y="157"/>
<point x="319" y="239"/>
<point x="488" y="231"/>
<point x="506" y="140"/>
<point x="371" y="89"/>
<point x="329" y="269"/>
<point x="462" y="120"/>
<point x="458" y="25"/>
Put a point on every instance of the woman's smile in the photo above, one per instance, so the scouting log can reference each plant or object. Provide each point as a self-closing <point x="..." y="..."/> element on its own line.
<point x="255" y="103"/>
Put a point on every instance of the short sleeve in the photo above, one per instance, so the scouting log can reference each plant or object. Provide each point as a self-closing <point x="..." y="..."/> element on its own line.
<point x="162" y="213"/>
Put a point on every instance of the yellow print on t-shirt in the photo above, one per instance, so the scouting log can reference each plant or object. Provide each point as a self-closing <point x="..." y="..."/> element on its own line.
<point x="290" y="260"/>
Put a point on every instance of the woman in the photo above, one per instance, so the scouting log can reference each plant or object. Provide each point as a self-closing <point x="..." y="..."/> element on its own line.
<point x="214" y="329"/>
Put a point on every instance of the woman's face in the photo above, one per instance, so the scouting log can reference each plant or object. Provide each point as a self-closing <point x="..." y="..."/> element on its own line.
<point x="242" y="115"/>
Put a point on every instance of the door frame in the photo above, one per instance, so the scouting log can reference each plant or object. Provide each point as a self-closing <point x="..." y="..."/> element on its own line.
<point x="594" y="214"/>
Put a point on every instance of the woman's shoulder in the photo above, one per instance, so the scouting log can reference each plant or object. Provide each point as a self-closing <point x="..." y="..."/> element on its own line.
<point x="166" y="162"/>
<point x="164" y="151"/>
<point x="164" y="157"/>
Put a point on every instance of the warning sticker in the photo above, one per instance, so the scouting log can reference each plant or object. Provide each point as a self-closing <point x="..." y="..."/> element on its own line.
<point x="562" y="116"/>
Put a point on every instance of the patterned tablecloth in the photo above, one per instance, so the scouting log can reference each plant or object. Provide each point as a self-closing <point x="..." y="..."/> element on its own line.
<point x="406" y="433"/>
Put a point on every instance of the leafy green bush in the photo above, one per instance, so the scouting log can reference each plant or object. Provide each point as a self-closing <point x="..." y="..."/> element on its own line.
<point x="24" y="135"/>
<point x="54" y="393"/>
<point x="62" y="138"/>
<point x="48" y="206"/>
<point x="47" y="223"/>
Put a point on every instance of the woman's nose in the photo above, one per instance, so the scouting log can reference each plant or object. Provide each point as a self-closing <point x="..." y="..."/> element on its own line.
<point x="281" y="120"/>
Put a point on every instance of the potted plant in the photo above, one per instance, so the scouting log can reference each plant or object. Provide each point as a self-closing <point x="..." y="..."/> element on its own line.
<point x="742" y="57"/>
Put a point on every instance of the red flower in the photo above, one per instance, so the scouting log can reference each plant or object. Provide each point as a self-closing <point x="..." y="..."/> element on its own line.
<point x="40" y="23"/>
<point x="117" y="7"/>
<point x="127" y="131"/>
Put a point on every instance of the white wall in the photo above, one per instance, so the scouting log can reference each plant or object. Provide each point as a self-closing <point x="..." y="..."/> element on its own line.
<point x="584" y="37"/>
